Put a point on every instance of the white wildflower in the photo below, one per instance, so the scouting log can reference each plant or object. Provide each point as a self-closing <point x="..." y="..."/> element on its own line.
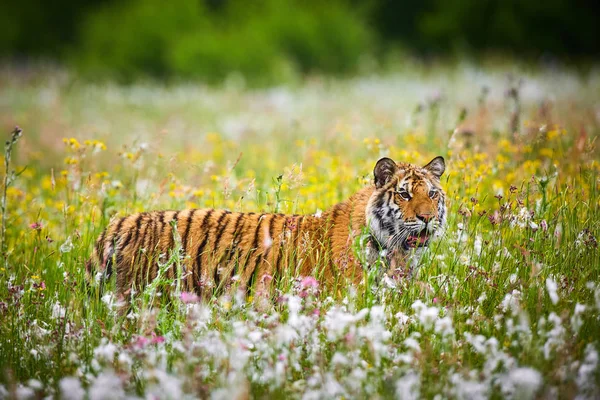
<point x="412" y="344"/>
<point x="402" y="319"/>
<point x="107" y="386"/>
<point x="339" y="359"/>
<point x="552" y="288"/>
<point x="168" y="387"/>
<point x="576" y="319"/>
<point x="409" y="386"/>
<point x="511" y="301"/>
<point x="24" y="392"/>
<point x="521" y="383"/>
<point x="443" y="326"/>
<point x="555" y="336"/>
<point x="477" y="341"/>
<point x="67" y="246"/>
<point x="586" y="376"/>
<point x="337" y="321"/>
<point x="35" y="384"/>
<point x="105" y="352"/>
<point x="426" y="315"/>
<point x="58" y="311"/>
<point x="124" y="360"/>
<point x="534" y="227"/>
<point x="468" y="389"/>
<point x="70" y="389"/>
<point x="478" y="245"/>
<point x="522" y="218"/>
<point x="109" y="300"/>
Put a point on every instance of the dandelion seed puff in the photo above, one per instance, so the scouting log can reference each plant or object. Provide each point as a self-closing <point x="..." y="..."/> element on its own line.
<point x="70" y="389"/>
<point x="552" y="289"/>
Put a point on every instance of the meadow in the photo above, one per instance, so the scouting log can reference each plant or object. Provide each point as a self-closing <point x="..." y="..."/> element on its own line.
<point x="505" y="304"/>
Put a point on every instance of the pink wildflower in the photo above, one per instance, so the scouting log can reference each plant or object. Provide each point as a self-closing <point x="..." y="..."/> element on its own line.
<point x="157" y="339"/>
<point x="308" y="282"/>
<point x="187" y="297"/>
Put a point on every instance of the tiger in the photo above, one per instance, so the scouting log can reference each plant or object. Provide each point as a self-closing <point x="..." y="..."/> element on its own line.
<point x="399" y="212"/>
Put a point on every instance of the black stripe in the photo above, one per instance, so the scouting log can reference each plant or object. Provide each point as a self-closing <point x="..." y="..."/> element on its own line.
<point x="336" y="211"/>
<point x="221" y="229"/>
<point x="204" y="241"/>
<point x="162" y="217"/>
<point x="235" y="236"/>
<point x="256" y="232"/>
<point x="117" y="231"/>
<point x="130" y="234"/>
<point x="184" y="239"/>
<point x="120" y="225"/>
<point x="237" y="226"/>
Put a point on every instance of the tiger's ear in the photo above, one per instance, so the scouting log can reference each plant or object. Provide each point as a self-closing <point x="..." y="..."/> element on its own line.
<point x="437" y="166"/>
<point x="384" y="170"/>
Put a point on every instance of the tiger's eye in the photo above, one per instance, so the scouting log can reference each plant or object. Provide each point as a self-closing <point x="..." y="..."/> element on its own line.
<point x="404" y="194"/>
<point x="432" y="193"/>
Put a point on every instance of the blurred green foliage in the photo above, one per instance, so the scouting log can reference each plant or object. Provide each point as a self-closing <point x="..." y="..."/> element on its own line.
<point x="273" y="40"/>
<point x="265" y="41"/>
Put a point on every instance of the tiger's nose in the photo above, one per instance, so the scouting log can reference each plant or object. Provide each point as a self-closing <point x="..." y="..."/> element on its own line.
<point x="425" y="217"/>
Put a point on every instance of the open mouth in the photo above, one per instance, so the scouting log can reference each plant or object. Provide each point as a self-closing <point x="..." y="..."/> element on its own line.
<point x="419" y="240"/>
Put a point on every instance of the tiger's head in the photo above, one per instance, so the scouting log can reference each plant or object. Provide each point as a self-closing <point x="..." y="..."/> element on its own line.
<point x="408" y="205"/>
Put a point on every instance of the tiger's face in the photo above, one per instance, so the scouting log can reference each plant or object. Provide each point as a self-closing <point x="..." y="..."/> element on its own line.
<point x="408" y="205"/>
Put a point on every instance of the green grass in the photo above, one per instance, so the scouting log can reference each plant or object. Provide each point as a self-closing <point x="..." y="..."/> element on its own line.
<point x="505" y="304"/>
